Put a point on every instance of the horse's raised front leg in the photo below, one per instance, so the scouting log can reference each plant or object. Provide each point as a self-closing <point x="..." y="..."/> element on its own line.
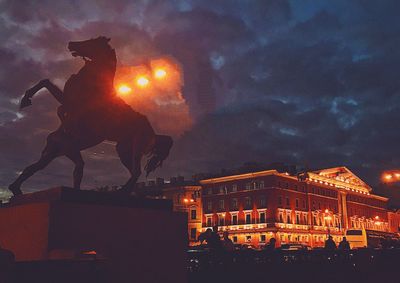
<point x="52" y="88"/>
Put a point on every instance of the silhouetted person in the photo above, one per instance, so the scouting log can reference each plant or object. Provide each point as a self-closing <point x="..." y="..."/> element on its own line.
<point x="271" y="245"/>
<point x="344" y="245"/>
<point x="330" y="244"/>
<point x="7" y="260"/>
<point x="227" y="243"/>
<point x="203" y="236"/>
<point x="215" y="241"/>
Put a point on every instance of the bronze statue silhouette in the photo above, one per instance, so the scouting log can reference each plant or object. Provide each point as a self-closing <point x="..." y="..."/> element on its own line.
<point x="90" y="113"/>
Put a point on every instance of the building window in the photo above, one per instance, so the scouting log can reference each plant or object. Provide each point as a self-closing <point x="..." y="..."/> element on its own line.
<point x="193" y="214"/>
<point x="193" y="233"/>
<point x="210" y="191"/>
<point x="209" y="221"/>
<point x="262" y="238"/>
<point x="297" y="203"/>
<point x="313" y="205"/>
<point x="281" y="217"/>
<point x="209" y="205"/>
<point x="263" y="201"/>
<point x="288" y="218"/>
<point x="261" y="185"/>
<point x="280" y="200"/>
<point x="234" y="219"/>
<point x="297" y="218"/>
<point x="248" y="218"/>
<point x="262" y="217"/>
<point x="305" y="219"/>
<point x="319" y="205"/>
<point x="248" y="203"/>
<point x="248" y="186"/>
<point x="221" y="220"/>
<point x="304" y="204"/>
<point x="287" y="201"/>
<point x="234" y="188"/>
<point x="234" y="239"/>
<point x="248" y="239"/>
<point x="221" y="204"/>
<point x="234" y="203"/>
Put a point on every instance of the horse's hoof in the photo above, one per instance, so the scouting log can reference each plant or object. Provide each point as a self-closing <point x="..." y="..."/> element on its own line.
<point x="25" y="102"/>
<point x="15" y="189"/>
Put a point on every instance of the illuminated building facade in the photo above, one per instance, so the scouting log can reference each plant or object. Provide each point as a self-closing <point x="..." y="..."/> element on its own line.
<point x="255" y="207"/>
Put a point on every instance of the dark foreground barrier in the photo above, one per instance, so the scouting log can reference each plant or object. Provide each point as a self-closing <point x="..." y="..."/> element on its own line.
<point x="296" y="266"/>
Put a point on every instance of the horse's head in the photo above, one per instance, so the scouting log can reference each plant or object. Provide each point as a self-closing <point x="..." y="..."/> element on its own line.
<point x="93" y="49"/>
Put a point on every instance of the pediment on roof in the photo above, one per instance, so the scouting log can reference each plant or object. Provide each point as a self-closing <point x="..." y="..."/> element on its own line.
<point x="344" y="176"/>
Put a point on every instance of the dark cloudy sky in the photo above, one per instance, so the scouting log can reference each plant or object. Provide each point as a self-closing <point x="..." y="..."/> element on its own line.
<point x="301" y="82"/>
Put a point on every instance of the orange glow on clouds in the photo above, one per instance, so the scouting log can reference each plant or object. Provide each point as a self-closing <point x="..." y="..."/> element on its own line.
<point x="157" y="85"/>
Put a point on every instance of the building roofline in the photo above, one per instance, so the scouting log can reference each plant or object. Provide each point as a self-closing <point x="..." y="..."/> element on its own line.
<point x="238" y="177"/>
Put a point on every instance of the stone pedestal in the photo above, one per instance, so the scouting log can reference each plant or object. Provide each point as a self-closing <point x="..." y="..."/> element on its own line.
<point x="142" y="239"/>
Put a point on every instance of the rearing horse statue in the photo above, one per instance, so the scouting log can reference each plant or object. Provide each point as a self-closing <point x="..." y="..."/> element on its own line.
<point x="91" y="113"/>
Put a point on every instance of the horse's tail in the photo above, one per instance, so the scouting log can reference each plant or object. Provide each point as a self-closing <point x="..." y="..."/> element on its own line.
<point x="158" y="153"/>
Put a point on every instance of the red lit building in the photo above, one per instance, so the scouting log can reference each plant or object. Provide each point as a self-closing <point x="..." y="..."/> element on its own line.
<point x="255" y="207"/>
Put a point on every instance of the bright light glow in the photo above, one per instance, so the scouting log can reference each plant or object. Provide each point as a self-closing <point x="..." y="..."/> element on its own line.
<point x="124" y="89"/>
<point x="142" y="81"/>
<point x="185" y="200"/>
<point x="377" y="217"/>
<point x="391" y="176"/>
<point x="326" y="211"/>
<point x="191" y="200"/>
<point x="160" y="73"/>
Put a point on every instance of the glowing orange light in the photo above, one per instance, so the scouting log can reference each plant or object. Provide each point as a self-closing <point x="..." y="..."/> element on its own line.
<point x="391" y="176"/>
<point x="185" y="200"/>
<point x="377" y="217"/>
<point x="160" y="73"/>
<point x="142" y="81"/>
<point x="124" y="89"/>
<point x="191" y="200"/>
<point x="326" y="211"/>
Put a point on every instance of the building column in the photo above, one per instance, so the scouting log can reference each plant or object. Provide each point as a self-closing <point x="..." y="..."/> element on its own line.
<point x="343" y="210"/>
